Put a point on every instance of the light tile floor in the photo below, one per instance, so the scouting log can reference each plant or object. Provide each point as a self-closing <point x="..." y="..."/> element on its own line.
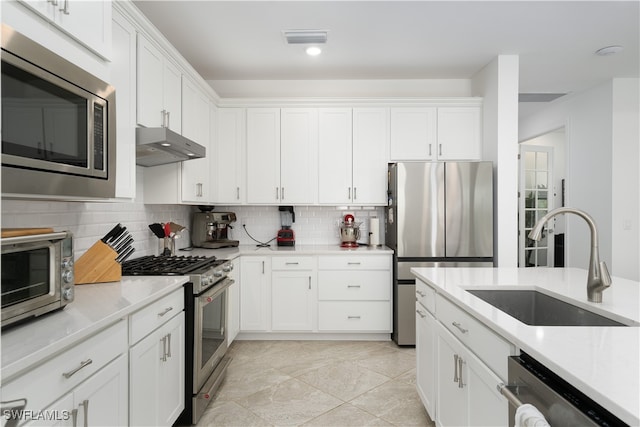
<point x="318" y="383"/>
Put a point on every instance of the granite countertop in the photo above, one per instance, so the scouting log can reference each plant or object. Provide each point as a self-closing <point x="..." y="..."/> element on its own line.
<point x="602" y="362"/>
<point x="95" y="307"/>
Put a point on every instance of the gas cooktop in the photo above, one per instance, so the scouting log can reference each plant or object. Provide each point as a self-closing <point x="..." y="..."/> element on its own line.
<point x="152" y="265"/>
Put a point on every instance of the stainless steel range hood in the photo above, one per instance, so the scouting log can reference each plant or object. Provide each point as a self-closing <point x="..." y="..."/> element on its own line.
<point x="159" y="146"/>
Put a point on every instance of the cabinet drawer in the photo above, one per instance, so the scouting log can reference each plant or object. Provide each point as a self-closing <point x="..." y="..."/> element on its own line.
<point x="426" y="296"/>
<point x="292" y="263"/>
<point x="145" y="320"/>
<point x="353" y="316"/>
<point x="487" y="345"/>
<point x="354" y="285"/>
<point x="355" y="262"/>
<point x="58" y="375"/>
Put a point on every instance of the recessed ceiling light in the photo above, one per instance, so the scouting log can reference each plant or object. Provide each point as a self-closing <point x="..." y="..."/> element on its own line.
<point x="609" y="50"/>
<point x="314" y="51"/>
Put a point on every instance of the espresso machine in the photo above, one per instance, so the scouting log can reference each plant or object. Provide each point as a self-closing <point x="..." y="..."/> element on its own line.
<point x="211" y="230"/>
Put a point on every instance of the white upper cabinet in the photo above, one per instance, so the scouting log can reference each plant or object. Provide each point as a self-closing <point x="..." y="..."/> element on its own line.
<point x="370" y="153"/>
<point x="228" y="160"/>
<point x="159" y="88"/>
<point x="413" y="133"/>
<point x="89" y="22"/>
<point x="196" y="174"/>
<point x="334" y="156"/>
<point x="436" y="133"/>
<point x="459" y="133"/>
<point x="123" y="77"/>
<point x="263" y="155"/>
<point x="298" y="155"/>
<point x="352" y="156"/>
<point x="281" y="155"/>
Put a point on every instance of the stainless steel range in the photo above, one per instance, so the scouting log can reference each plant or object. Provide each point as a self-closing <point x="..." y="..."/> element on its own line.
<point x="206" y="300"/>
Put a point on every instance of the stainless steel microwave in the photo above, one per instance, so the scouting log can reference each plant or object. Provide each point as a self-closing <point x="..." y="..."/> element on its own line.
<point x="58" y="124"/>
<point x="37" y="275"/>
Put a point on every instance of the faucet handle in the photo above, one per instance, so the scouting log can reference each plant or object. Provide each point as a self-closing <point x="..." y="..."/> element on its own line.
<point x="605" y="276"/>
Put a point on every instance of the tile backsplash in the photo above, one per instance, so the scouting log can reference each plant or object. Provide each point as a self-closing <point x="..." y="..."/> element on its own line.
<point x="89" y="221"/>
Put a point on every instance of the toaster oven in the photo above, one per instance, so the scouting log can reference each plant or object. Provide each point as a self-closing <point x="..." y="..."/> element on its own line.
<point x="37" y="275"/>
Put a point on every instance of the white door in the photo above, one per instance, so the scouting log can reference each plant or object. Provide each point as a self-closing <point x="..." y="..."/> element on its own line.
<point x="370" y="154"/>
<point x="298" y="155"/>
<point x="255" y="293"/>
<point x="413" y="133"/>
<point x="459" y="133"/>
<point x="292" y="300"/>
<point x="228" y="159"/>
<point x="171" y="374"/>
<point x="335" y="156"/>
<point x="426" y="365"/>
<point x="263" y="155"/>
<point x="536" y="199"/>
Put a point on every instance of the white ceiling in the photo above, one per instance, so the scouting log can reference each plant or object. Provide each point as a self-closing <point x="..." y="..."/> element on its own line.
<point x="555" y="40"/>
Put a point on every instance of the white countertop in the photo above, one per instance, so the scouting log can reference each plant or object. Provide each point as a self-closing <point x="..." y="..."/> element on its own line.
<point x="602" y="362"/>
<point x="95" y="307"/>
<point x="230" y="253"/>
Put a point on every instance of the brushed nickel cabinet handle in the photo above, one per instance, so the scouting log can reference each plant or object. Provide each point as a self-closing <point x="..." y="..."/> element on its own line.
<point x="166" y="310"/>
<point x="82" y="365"/>
<point x="164" y="348"/>
<point x="238" y="193"/>
<point x="65" y="8"/>
<point x="353" y="317"/>
<point x="460" y="328"/>
<point x="439" y="149"/>
<point x="455" y="368"/>
<point x="420" y="313"/>
<point x="163" y="118"/>
<point x="309" y="282"/>
<point x="85" y="405"/>
<point x="461" y="382"/>
<point x="353" y="286"/>
<point x="419" y="292"/>
<point x="355" y="193"/>
<point x="74" y="417"/>
<point x="169" y="345"/>
<point x="429" y="149"/>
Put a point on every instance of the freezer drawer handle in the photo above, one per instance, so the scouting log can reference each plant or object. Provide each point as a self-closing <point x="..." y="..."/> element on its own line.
<point x="460" y="328"/>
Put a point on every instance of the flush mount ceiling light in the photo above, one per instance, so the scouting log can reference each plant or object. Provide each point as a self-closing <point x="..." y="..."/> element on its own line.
<point x="609" y="50"/>
<point x="313" y="51"/>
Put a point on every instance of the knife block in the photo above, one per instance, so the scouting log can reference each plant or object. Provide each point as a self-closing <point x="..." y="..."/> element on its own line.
<point x="98" y="264"/>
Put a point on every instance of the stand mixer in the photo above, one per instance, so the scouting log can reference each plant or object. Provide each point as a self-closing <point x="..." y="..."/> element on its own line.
<point x="349" y="232"/>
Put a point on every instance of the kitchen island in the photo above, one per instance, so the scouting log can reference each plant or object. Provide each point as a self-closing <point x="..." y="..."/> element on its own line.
<point x="602" y="362"/>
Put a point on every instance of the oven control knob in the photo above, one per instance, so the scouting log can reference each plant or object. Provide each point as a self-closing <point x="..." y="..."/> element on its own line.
<point x="67" y="263"/>
<point x="68" y="294"/>
<point x="217" y="273"/>
<point x="67" y="276"/>
<point x="228" y="267"/>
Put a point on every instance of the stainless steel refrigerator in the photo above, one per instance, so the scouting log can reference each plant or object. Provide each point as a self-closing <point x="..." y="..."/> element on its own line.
<point x="439" y="214"/>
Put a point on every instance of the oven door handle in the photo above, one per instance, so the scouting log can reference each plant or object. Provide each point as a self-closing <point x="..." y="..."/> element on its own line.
<point x="210" y="295"/>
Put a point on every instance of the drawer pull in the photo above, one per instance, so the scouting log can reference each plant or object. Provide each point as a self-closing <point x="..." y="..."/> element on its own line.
<point x="353" y="317"/>
<point x="460" y="382"/>
<point x="422" y="294"/>
<point x="353" y="286"/>
<point x="292" y="263"/>
<point x="420" y="313"/>
<point x="455" y="368"/>
<point x="166" y="310"/>
<point x="85" y="405"/>
<point x="460" y="328"/>
<point x="82" y="365"/>
<point x="353" y="263"/>
<point x="169" y="345"/>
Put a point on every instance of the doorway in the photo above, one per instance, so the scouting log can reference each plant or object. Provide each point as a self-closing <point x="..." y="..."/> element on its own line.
<point x="541" y="189"/>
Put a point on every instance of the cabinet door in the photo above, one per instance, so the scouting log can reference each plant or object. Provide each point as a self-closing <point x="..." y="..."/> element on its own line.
<point x="87" y="21"/>
<point x="149" y="84"/>
<point x="292" y="300"/>
<point x="335" y="156"/>
<point x="229" y="157"/>
<point x="102" y="399"/>
<point x="171" y="373"/>
<point x="459" y="133"/>
<point x="370" y="155"/>
<point x="61" y="413"/>
<point x="255" y="293"/>
<point x="426" y="359"/>
<point x="263" y="155"/>
<point x="123" y="77"/>
<point x="172" y="96"/>
<point x="298" y="155"/>
<point x="413" y="133"/>
<point x="196" y="174"/>
<point x="156" y="375"/>
<point x="453" y="400"/>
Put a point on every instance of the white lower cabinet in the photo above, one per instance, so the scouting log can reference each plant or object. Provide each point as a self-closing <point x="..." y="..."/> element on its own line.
<point x="255" y="293"/>
<point x="84" y="385"/>
<point x="293" y="287"/>
<point x="459" y="364"/>
<point x="354" y="293"/>
<point x="156" y="368"/>
<point x="157" y="375"/>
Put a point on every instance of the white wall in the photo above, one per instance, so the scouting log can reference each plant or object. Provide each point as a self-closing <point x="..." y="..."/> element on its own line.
<point x="601" y="131"/>
<point x="497" y="83"/>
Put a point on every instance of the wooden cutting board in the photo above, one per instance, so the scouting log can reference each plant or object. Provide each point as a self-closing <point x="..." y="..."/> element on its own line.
<point x="15" y="232"/>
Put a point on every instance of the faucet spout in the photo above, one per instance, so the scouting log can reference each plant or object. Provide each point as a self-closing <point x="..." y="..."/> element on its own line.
<point x="598" y="278"/>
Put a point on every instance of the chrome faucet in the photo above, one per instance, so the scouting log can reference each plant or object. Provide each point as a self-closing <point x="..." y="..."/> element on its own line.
<point x="598" y="278"/>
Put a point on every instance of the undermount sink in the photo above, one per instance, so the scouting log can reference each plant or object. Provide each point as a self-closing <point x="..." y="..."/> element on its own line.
<point x="537" y="309"/>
